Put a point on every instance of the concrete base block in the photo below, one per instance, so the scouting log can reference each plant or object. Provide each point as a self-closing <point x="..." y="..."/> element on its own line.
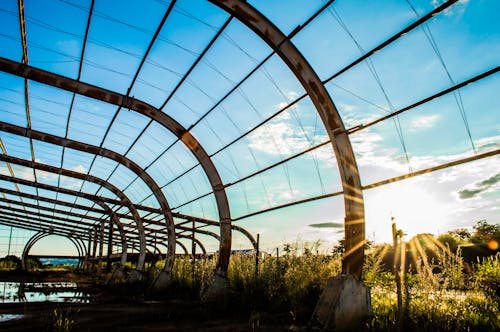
<point x="134" y="276"/>
<point x="344" y="305"/>
<point x="217" y="289"/>
<point x="118" y="276"/>
<point x="162" y="281"/>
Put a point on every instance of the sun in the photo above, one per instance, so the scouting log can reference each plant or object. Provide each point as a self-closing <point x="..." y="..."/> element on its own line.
<point x="415" y="210"/>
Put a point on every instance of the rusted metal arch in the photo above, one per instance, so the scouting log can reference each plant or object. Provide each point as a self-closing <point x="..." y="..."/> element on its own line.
<point x="37" y="237"/>
<point x="91" y="91"/>
<point x="186" y="252"/>
<point x="49" y="220"/>
<point x="106" y="210"/>
<point x="45" y="137"/>
<point x="114" y="220"/>
<point x="125" y="200"/>
<point x="134" y="167"/>
<point x="384" y="44"/>
<point x="351" y="184"/>
<point x="197" y="241"/>
<point x="111" y="212"/>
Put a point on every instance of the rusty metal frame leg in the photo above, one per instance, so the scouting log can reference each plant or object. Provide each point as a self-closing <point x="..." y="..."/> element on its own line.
<point x="351" y="184"/>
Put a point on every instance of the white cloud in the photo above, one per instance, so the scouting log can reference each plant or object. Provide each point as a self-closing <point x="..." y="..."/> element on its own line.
<point x="455" y="9"/>
<point x="278" y="139"/>
<point x="424" y="122"/>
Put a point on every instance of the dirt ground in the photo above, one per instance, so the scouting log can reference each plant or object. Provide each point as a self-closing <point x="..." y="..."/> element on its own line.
<point x="108" y="313"/>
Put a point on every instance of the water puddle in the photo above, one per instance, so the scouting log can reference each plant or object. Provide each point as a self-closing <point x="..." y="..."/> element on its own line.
<point x="7" y="317"/>
<point x="15" y="292"/>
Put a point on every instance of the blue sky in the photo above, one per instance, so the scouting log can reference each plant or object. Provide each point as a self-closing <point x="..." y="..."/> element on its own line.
<point x="466" y="36"/>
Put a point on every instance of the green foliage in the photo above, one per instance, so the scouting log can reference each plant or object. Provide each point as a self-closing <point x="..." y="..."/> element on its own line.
<point x="435" y="311"/>
<point x="61" y="321"/>
<point x="10" y="262"/>
<point x="487" y="275"/>
<point x="449" y="240"/>
<point x="484" y="232"/>
<point x="33" y="263"/>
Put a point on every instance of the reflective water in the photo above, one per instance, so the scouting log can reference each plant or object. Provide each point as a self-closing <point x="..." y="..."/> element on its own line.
<point x="6" y="317"/>
<point x="12" y="292"/>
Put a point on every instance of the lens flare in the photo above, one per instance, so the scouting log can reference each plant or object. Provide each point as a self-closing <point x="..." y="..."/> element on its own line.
<point x="493" y="245"/>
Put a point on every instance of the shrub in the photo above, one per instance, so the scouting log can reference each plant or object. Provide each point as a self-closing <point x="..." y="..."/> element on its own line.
<point x="487" y="275"/>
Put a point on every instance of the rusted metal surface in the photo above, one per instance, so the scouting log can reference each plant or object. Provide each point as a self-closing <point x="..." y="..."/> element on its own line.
<point x="130" y="164"/>
<point x="351" y="184"/>
<point x="150" y="111"/>
<point x="37" y="237"/>
<point x="114" y="215"/>
<point x="125" y="200"/>
<point x="106" y="210"/>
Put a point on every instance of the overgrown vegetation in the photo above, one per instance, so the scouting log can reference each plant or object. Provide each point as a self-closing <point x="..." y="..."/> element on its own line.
<point x="441" y="290"/>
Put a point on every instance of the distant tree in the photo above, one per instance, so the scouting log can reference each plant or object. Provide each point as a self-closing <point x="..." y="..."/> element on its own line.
<point x="424" y="240"/>
<point x="484" y="232"/>
<point x="462" y="234"/>
<point x="10" y="262"/>
<point x="449" y="240"/>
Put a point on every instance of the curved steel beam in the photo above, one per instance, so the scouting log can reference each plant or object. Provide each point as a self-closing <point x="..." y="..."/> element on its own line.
<point x="197" y="241"/>
<point x="106" y="210"/>
<point x="186" y="252"/>
<point x="33" y="240"/>
<point x="103" y="152"/>
<point x="351" y="184"/>
<point x="125" y="200"/>
<point x="91" y="91"/>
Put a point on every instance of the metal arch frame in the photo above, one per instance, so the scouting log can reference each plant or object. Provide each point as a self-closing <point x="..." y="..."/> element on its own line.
<point x="121" y="159"/>
<point x="100" y="201"/>
<point x="197" y="241"/>
<point x="124" y="244"/>
<point x="186" y="252"/>
<point x="106" y="209"/>
<point x="91" y="91"/>
<point x="354" y="224"/>
<point x="125" y="200"/>
<point x="37" y="237"/>
<point x="114" y="220"/>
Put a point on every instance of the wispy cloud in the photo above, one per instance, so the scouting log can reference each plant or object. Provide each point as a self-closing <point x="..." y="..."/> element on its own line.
<point x="479" y="187"/>
<point x="424" y="122"/>
<point x="456" y="9"/>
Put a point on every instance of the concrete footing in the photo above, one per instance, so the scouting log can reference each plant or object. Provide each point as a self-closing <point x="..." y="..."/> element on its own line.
<point x="118" y="276"/>
<point x="217" y="289"/>
<point x="162" y="281"/>
<point x="134" y="276"/>
<point x="344" y="305"/>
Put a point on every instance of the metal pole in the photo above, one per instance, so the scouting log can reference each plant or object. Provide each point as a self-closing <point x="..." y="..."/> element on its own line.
<point x="110" y="245"/>
<point x="396" y="269"/>
<point x="257" y="257"/>
<point x="10" y="240"/>
<point x="193" y="251"/>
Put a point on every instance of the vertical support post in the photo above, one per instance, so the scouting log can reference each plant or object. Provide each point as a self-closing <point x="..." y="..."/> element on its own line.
<point x="397" y="267"/>
<point x="10" y="240"/>
<point x="88" y="251"/>
<point x="193" y="250"/>
<point x="110" y="245"/>
<point x="257" y="254"/>
<point x="94" y="247"/>
<point x="101" y="247"/>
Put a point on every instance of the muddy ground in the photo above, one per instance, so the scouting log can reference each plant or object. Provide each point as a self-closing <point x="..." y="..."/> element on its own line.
<point x="108" y="312"/>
